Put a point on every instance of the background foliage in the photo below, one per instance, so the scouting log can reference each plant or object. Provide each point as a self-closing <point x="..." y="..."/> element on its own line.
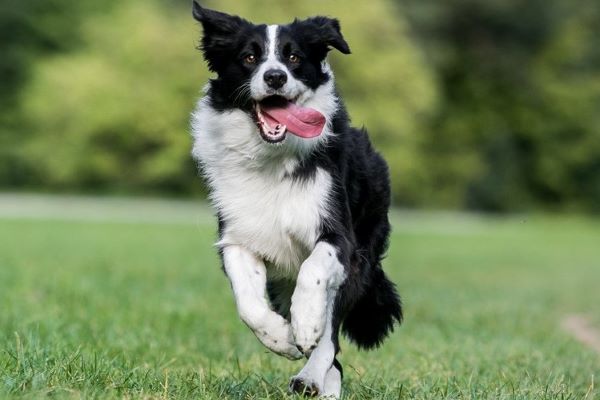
<point x="476" y="104"/>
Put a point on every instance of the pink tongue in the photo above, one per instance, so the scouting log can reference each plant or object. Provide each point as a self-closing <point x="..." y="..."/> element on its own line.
<point x="301" y="121"/>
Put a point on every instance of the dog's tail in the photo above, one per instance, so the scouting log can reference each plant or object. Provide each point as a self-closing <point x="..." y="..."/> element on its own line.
<point x="373" y="317"/>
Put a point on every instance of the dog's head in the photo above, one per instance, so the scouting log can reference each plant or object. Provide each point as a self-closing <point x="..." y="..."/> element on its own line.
<point x="276" y="73"/>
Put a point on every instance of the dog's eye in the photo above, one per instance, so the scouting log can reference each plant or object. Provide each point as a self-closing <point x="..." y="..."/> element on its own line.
<point x="250" y="59"/>
<point x="294" y="59"/>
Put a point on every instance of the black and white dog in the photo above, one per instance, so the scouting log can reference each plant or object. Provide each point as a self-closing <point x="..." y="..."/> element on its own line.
<point x="301" y="197"/>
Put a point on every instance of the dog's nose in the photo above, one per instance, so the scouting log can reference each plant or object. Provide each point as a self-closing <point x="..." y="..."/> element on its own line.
<point x="275" y="78"/>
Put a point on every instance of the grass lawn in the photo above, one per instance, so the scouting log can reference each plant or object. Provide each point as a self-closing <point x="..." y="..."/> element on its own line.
<point x="126" y="299"/>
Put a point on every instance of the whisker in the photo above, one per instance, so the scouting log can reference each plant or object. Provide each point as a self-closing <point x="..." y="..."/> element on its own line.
<point x="241" y="92"/>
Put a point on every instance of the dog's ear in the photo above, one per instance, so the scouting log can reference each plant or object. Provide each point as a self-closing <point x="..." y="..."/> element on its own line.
<point x="215" y="22"/>
<point x="327" y="31"/>
<point x="220" y="32"/>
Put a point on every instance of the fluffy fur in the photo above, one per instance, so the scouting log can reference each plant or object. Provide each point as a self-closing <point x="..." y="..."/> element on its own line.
<point x="303" y="223"/>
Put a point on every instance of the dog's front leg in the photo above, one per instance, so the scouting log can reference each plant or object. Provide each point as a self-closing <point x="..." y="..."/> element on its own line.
<point x="312" y="309"/>
<point x="321" y="376"/>
<point x="248" y="279"/>
<point x="319" y="279"/>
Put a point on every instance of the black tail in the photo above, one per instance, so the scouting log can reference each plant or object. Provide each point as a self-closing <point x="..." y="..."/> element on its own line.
<point x="372" y="318"/>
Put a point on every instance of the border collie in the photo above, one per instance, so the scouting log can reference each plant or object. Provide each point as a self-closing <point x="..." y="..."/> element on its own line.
<point x="301" y="197"/>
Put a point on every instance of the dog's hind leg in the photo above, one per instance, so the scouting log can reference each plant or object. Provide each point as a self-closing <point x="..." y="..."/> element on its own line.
<point x="248" y="277"/>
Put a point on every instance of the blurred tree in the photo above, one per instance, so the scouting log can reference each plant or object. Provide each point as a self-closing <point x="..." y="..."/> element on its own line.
<point x="119" y="106"/>
<point x="30" y="30"/>
<point x="567" y="74"/>
<point x="519" y="81"/>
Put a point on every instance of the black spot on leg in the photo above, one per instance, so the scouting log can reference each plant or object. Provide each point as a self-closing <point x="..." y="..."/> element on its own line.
<point x="318" y="281"/>
<point x="329" y="253"/>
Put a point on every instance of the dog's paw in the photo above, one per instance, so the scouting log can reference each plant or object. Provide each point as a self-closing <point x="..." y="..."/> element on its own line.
<point x="277" y="336"/>
<point x="303" y="386"/>
<point x="307" y="337"/>
<point x="308" y="312"/>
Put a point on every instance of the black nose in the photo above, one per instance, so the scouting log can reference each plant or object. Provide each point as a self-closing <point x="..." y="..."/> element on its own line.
<point x="275" y="78"/>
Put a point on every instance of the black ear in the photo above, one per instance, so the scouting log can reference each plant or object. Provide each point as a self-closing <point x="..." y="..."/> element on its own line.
<point x="221" y="31"/>
<point x="215" y="21"/>
<point x="327" y="31"/>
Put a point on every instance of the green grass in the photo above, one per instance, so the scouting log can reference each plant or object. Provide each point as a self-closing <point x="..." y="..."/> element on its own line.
<point x="126" y="299"/>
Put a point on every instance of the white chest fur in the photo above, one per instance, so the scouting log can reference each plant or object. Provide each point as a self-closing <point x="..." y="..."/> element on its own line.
<point x="273" y="215"/>
<point x="276" y="219"/>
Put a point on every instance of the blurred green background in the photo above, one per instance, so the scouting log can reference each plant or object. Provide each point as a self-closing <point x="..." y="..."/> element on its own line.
<point x="487" y="105"/>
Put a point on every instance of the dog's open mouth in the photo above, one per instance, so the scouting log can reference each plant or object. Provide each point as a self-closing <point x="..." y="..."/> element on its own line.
<point x="276" y="115"/>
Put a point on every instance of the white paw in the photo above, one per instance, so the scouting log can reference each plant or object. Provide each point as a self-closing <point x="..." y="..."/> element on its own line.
<point x="308" y="310"/>
<point x="277" y="336"/>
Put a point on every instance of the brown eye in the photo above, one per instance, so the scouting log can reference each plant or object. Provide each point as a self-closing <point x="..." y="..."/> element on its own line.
<point x="294" y="59"/>
<point x="250" y="59"/>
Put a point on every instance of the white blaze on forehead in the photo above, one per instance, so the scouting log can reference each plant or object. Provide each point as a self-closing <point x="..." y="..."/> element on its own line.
<point x="272" y="43"/>
<point x="258" y="87"/>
